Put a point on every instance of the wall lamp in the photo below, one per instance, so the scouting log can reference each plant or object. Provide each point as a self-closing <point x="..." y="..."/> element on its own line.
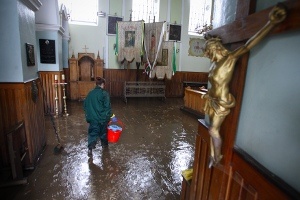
<point x="101" y="14"/>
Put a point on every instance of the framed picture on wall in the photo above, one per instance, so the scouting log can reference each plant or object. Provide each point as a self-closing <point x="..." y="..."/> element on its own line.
<point x="30" y="54"/>
<point x="111" y="24"/>
<point x="196" y="45"/>
<point x="164" y="60"/>
<point x="175" y="32"/>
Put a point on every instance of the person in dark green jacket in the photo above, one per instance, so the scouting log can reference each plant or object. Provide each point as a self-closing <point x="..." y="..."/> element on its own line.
<point x="98" y="113"/>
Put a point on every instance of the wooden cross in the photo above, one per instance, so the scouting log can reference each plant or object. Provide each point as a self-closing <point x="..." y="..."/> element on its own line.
<point x="85" y="48"/>
<point x="130" y="16"/>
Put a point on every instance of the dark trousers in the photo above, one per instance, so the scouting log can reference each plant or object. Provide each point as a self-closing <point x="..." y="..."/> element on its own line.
<point x="97" y="130"/>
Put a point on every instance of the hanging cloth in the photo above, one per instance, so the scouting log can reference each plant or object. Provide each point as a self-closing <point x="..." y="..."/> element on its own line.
<point x="150" y="65"/>
<point x="130" y="36"/>
<point x="160" y="72"/>
<point x="174" y="59"/>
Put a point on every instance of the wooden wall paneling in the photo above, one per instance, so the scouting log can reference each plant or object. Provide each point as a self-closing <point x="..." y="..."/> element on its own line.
<point x="17" y="105"/>
<point x="218" y="178"/>
<point x="28" y="110"/>
<point x="201" y="173"/>
<point x="185" y="190"/>
<point x="74" y="74"/>
<point x="253" y="185"/>
<point x="74" y="90"/>
<point x="3" y="151"/>
<point x="234" y="186"/>
<point x="11" y="101"/>
<point x="115" y="79"/>
<point x="34" y="123"/>
<point x="174" y="87"/>
<point x="196" y="76"/>
<point x="47" y="79"/>
<point x="118" y="79"/>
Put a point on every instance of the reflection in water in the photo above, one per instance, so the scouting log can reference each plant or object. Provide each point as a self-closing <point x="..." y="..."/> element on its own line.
<point x="181" y="154"/>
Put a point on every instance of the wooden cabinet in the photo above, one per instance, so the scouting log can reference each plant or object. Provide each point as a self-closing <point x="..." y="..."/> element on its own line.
<point x="83" y="71"/>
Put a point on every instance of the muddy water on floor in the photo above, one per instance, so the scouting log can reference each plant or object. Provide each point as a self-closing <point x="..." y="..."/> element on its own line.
<point x="156" y="144"/>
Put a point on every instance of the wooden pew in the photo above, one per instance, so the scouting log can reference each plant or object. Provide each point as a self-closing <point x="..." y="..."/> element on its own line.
<point x="193" y="103"/>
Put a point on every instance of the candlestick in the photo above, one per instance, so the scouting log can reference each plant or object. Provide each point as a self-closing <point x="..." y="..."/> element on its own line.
<point x="56" y="98"/>
<point x="63" y="78"/>
<point x="65" y="100"/>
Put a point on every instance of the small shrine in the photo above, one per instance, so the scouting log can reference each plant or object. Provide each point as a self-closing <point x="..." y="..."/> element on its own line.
<point x="83" y="71"/>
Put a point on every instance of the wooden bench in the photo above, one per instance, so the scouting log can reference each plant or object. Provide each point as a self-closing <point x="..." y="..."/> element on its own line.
<point x="144" y="89"/>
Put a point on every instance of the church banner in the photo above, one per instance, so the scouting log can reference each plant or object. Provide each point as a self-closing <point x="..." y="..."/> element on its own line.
<point x="130" y="40"/>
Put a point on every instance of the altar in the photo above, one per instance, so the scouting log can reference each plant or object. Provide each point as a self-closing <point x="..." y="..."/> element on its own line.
<point x="83" y="71"/>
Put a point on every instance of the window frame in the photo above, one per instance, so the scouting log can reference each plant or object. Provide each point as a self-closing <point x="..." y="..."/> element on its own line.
<point x="155" y="4"/>
<point x="200" y="19"/>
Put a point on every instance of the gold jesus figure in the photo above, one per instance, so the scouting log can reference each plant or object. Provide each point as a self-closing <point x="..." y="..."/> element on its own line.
<point x="219" y="100"/>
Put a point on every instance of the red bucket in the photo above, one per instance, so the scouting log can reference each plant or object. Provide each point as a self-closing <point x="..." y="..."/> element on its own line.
<point x="114" y="130"/>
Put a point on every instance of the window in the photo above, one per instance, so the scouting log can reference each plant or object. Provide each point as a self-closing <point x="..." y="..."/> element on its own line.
<point x="82" y="12"/>
<point x="200" y="16"/>
<point x="146" y="10"/>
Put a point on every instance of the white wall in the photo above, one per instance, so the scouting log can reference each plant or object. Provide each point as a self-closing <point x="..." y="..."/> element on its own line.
<point x="268" y="127"/>
<point x="190" y="63"/>
<point x="17" y="28"/>
<point x="27" y="35"/>
<point x="95" y="38"/>
<point x="48" y="13"/>
<point x="11" y="64"/>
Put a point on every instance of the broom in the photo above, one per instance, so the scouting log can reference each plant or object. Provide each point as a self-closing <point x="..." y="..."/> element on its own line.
<point x="58" y="148"/>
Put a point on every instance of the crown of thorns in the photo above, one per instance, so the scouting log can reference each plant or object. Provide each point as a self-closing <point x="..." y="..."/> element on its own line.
<point x="212" y="38"/>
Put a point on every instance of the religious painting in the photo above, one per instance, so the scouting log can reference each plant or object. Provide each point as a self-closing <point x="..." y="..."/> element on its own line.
<point x="30" y="54"/>
<point x="164" y="60"/>
<point x="154" y="33"/>
<point x="175" y="32"/>
<point x="112" y="24"/>
<point x="47" y="51"/>
<point x="196" y="45"/>
<point x="129" y="38"/>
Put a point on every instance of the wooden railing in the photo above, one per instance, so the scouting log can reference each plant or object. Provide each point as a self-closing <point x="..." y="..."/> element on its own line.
<point x="193" y="103"/>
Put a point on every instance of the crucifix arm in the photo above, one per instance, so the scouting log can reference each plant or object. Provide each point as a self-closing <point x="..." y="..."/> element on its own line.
<point x="276" y="16"/>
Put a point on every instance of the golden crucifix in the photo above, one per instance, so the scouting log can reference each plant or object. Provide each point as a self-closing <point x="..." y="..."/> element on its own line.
<point x="219" y="100"/>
